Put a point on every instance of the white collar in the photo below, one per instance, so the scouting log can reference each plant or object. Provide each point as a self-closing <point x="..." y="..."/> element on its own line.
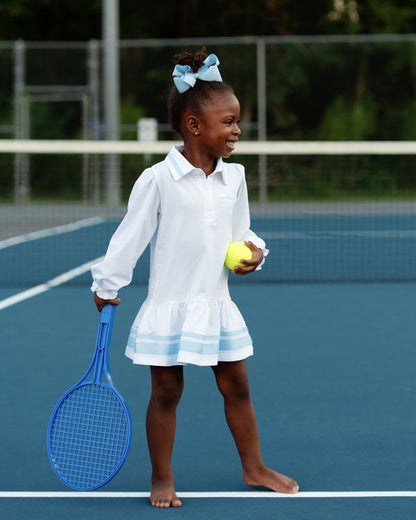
<point x="179" y="166"/>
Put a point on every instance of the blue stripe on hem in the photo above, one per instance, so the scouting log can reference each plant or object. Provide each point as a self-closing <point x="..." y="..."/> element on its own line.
<point x="172" y="338"/>
<point x="188" y="342"/>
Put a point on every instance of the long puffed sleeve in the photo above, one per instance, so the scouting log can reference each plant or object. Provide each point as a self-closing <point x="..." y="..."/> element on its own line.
<point x="241" y="221"/>
<point x="130" y="239"/>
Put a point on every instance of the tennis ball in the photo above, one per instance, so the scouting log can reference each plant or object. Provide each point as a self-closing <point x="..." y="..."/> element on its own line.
<point x="237" y="251"/>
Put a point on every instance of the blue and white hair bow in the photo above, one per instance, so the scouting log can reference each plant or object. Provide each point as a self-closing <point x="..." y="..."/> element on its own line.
<point x="185" y="78"/>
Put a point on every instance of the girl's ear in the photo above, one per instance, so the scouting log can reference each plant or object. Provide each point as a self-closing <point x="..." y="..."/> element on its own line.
<point x="192" y="124"/>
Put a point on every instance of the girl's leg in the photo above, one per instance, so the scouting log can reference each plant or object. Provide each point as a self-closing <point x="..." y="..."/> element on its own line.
<point x="233" y="384"/>
<point x="167" y="387"/>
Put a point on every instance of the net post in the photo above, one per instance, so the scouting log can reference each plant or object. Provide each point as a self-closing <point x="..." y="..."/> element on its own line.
<point x="147" y="131"/>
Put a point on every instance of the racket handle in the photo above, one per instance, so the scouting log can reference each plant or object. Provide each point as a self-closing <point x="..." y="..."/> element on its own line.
<point x="107" y="313"/>
<point x="105" y="329"/>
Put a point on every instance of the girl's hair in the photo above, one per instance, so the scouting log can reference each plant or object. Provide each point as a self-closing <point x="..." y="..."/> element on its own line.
<point x="193" y="98"/>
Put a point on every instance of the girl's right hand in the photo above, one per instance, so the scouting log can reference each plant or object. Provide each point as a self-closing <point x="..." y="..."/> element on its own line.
<point x="100" y="302"/>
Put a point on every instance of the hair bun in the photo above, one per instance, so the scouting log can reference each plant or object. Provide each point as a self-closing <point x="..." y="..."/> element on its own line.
<point x="194" y="60"/>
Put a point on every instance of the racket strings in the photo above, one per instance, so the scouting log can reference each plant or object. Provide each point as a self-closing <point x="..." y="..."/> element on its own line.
<point x="89" y="436"/>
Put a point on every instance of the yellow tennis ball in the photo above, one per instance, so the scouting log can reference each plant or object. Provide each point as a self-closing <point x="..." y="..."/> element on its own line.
<point x="237" y="251"/>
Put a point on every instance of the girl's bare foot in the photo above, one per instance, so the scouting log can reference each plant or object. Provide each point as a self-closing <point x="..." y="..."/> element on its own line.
<point x="163" y="493"/>
<point x="268" y="478"/>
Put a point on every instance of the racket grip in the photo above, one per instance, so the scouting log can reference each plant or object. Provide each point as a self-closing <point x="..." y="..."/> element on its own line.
<point x="107" y="313"/>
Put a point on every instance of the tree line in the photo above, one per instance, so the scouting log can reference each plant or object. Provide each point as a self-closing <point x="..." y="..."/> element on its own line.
<point x="325" y="91"/>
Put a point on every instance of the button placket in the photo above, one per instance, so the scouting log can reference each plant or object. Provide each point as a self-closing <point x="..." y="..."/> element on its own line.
<point x="209" y="203"/>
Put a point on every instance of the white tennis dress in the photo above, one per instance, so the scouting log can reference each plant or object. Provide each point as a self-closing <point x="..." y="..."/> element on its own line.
<point x="189" y="219"/>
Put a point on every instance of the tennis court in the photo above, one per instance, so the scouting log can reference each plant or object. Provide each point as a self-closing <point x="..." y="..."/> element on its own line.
<point x="332" y="377"/>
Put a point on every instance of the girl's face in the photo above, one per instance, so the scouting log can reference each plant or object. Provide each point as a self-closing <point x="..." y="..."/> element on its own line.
<point x="218" y="125"/>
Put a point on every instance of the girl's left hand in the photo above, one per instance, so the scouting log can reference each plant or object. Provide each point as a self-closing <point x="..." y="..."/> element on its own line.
<point x="100" y="302"/>
<point x="250" y="265"/>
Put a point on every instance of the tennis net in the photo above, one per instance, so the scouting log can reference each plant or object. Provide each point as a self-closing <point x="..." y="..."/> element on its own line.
<point x="329" y="211"/>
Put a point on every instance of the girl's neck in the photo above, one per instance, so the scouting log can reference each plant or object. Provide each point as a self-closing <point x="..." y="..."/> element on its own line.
<point x="200" y="160"/>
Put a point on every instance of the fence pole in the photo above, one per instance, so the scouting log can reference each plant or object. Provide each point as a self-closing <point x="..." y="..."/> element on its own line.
<point x="261" y="116"/>
<point x="21" y="125"/>
<point x="93" y="187"/>
<point x="111" y="91"/>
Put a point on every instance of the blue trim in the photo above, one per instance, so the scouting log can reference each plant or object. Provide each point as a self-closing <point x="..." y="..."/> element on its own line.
<point x="178" y="170"/>
<point x="230" y="333"/>
<point x="214" y="337"/>
<point x="189" y="342"/>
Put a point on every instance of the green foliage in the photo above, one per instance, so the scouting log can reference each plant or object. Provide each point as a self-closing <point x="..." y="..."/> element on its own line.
<point x="315" y="91"/>
<point x="49" y="20"/>
<point x="130" y="113"/>
<point x="354" y="121"/>
<point x="337" y="177"/>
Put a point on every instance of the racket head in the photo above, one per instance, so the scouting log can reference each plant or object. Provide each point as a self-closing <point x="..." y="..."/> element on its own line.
<point x="89" y="436"/>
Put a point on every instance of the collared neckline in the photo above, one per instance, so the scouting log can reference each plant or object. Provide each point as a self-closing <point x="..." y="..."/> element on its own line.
<point x="179" y="166"/>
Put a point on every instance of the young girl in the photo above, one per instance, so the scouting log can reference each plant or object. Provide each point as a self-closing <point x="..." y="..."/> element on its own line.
<point x="189" y="207"/>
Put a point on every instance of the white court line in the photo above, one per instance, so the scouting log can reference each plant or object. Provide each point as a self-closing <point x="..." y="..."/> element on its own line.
<point x="209" y="494"/>
<point x="313" y="235"/>
<point x="44" y="233"/>
<point x="43" y="287"/>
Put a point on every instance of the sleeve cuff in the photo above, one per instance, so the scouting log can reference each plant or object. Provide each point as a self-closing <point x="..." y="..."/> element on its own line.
<point x="265" y="253"/>
<point x="105" y="295"/>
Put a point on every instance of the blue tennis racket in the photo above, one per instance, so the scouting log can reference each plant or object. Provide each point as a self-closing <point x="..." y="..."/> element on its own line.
<point x="89" y="431"/>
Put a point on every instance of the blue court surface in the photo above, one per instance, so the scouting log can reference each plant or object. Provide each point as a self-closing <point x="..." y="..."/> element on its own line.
<point x="332" y="380"/>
